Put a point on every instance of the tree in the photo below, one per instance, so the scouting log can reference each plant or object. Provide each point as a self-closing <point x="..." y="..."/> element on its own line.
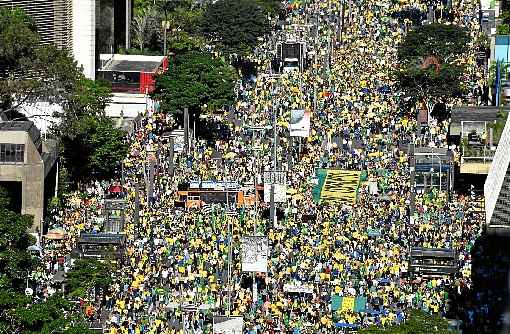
<point x="197" y="82"/>
<point x="180" y="42"/>
<point x="95" y="149"/>
<point x="30" y="71"/>
<point x="15" y="260"/>
<point x="5" y="198"/>
<point x="430" y="66"/>
<point x="446" y="42"/>
<point x="20" y="313"/>
<point x="89" y="274"/>
<point x="273" y="7"/>
<point x="90" y="98"/>
<point x="418" y="322"/>
<point x="236" y="24"/>
<point x="143" y="27"/>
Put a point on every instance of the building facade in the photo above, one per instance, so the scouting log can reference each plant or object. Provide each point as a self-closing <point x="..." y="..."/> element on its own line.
<point x="26" y="162"/>
<point x="85" y="27"/>
<point x="497" y="186"/>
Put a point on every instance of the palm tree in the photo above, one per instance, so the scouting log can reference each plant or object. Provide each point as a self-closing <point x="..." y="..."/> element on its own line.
<point x="142" y="26"/>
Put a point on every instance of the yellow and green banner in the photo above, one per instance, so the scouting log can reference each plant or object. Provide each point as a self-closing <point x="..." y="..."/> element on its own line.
<point x="336" y="186"/>
<point x="354" y="304"/>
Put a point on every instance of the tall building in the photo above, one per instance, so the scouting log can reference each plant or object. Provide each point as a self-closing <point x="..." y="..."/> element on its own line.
<point x="27" y="167"/>
<point x="53" y="19"/>
<point x="497" y="187"/>
<point x="86" y="27"/>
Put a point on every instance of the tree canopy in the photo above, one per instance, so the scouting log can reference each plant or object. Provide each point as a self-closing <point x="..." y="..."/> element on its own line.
<point x="198" y="82"/>
<point x="21" y="313"/>
<point x="29" y="70"/>
<point x="418" y="322"/>
<point x="445" y="42"/>
<point x="429" y="63"/>
<point x="236" y="24"/>
<point x="88" y="274"/>
<point x="15" y="260"/>
<point x="95" y="149"/>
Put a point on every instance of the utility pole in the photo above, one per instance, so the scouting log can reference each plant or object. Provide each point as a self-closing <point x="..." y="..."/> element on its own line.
<point x="171" y="157"/>
<point x="137" y="208"/>
<point x="272" y="210"/>
<point x="150" y="185"/>
<point x="341" y="20"/>
<point x="186" y="131"/>
<point x="229" y="267"/>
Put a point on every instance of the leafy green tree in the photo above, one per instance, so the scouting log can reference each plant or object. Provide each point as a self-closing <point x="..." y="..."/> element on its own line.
<point x="20" y="313"/>
<point x="198" y="82"/>
<point x="180" y="42"/>
<point x="272" y="7"/>
<point x="15" y="261"/>
<point x="418" y="322"/>
<point x="89" y="274"/>
<point x="185" y="19"/>
<point x="89" y="100"/>
<point x="144" y="26"/>
<point x="29" y="70"/>
<point x="94" y="150"/>
<point x="236" y="24"/>
<point x="429" y="68"/>
<point x="5" y="198"/>
<point x="446" y="42"/>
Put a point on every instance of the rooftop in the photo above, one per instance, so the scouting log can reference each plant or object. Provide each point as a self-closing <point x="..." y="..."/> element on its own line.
<point x="16" y="126"/>
<point x="24" y="126"/>
<point x="482" y="113"/>
<point x="131" y="63"/>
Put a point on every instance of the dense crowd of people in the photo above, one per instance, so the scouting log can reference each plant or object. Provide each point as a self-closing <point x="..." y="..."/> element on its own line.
<point x="182" y="257"/>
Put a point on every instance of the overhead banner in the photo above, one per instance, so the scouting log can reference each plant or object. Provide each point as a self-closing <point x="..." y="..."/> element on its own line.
<point x="280" y="193"/>
<point x="227" y="325"/>
<point x="299" y="123"/>
<point x="255" y="250"/>
<point x="336" y="186"/>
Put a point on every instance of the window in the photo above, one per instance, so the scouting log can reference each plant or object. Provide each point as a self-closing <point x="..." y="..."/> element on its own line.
<point x="12" y="152"/>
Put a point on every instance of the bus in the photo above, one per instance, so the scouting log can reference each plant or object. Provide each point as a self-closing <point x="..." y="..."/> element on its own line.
<point x="196" y="195"/>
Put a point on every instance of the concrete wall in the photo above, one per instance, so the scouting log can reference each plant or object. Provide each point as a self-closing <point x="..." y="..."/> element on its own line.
<point x="84" y="35"/>
<point x="30" y="174"/>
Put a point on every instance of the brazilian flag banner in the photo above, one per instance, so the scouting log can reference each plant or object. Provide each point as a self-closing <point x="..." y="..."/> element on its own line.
<point x="354" y="304"/>
<point x="336" y="186"/>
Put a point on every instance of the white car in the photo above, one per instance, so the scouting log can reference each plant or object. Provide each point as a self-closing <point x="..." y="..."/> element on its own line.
<point x="290" y="64"/>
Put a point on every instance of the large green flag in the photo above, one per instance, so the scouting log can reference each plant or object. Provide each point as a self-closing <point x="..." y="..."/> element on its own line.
<point x="336" y="302"/>
<point x="360" y="304"/>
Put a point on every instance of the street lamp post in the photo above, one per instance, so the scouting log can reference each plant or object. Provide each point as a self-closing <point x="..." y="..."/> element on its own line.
<point x="272" y="210"/>
<point x="166" y="25"/>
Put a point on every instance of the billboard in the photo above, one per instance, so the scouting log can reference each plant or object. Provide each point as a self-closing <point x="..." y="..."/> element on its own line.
<point x="227" y="325"/>
<point x="280" y="193"/>
<point x="279" y="178"/>
<point x="299" y="123"/>
<point x="255" y="250"/>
